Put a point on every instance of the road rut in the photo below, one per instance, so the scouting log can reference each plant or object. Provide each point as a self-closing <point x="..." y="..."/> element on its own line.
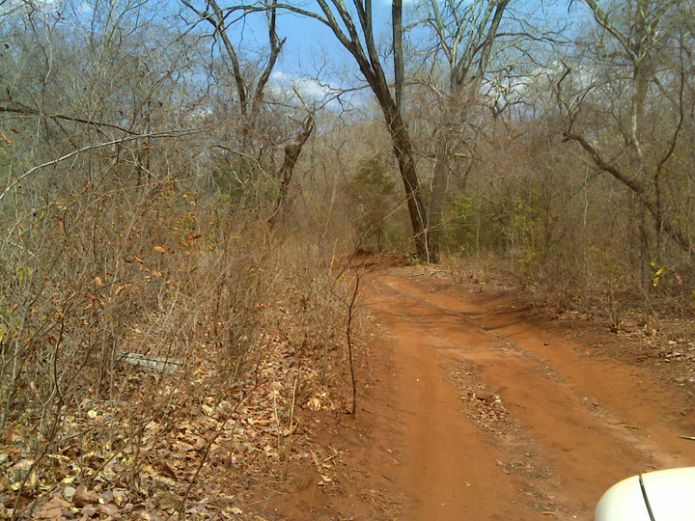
<point x="488" y="414"/>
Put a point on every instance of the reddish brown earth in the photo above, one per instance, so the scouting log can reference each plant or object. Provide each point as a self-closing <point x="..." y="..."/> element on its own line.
<point x="478" y="410"/>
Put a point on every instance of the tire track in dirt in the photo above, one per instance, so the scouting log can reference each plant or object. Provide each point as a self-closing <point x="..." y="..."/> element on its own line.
<point x="445" y="468"/>
<point x="575" y="425"/>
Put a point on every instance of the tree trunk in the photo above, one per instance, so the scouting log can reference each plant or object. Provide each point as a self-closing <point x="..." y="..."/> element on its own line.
<point x="367" y="56"/>
<point x="440" y="182"/>
<point x="398" y="69"/>
<point x="292" y="152"/>
<point x="402" y="144"/>
<point x="454" y="115"/>
<point x="403" y="149"/>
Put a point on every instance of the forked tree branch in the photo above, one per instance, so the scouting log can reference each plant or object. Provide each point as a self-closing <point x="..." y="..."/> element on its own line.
<point x="670" y="228"/>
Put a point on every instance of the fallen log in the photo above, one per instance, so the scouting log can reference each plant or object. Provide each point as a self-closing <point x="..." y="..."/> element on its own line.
<point x="159" y="364"/>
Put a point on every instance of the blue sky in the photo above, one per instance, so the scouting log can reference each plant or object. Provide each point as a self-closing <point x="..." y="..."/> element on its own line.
<point x="310" y="45"/>
<point x="312" y="50"/>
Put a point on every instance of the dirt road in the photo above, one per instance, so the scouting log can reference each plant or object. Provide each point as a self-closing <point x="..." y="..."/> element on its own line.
<point x="482" y="412"/>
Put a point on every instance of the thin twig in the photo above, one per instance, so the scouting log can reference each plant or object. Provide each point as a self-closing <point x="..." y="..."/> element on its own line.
<point x="167" y="133"/>
<point x="348" y="337"/>
<point x="28" y="111"/>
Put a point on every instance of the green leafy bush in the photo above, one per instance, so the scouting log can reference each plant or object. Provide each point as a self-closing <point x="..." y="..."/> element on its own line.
<point x="371" y="195"/>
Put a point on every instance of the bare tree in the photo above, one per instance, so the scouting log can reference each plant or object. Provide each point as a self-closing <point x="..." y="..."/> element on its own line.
<point x="250" y="95"/>
<point x="257" y="137"/>
<point x="464" y="33"/>
<point x="292" y="151"/>
<point x="355" y="32"/>
<point x="643" y="53"/>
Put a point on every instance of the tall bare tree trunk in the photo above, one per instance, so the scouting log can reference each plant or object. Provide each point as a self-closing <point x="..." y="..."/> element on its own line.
<point x="355" y="32"/>
<point x="403" y="150"/>
<point x="402" y="144"/>
<point x="468" y="55"/>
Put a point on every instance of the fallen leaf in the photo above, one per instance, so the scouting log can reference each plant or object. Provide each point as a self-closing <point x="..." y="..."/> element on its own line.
<point x="170" y="502"/>
<point x="106" y="497"/>
<point x="69" y="492"/>
<point x="314" y="404"/>
<point x="119" y="495"/>
<point x="51" y="510"/>
<point x="169" y="471"/>
<point x="159" y="249"/>
<point x="120" y="288"/>
<point x="109" y="510"/>
<point x="84" y="497"/>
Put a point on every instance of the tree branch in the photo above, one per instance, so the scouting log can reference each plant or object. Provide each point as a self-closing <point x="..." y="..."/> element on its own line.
<point x="167" y="133"/>
<point x="28" y="111"/>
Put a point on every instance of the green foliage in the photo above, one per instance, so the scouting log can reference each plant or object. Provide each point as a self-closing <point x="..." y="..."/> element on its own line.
<point x="525" y="232"/>
<point x="508" y="222"/>
<point x="461" y="227"/>
<point x="658" y="272"/>
<point x="371" y="197"/>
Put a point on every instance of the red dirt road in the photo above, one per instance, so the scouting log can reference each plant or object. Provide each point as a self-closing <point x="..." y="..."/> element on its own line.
<point x="482" y="412"/>
<point x="476" y="409"/>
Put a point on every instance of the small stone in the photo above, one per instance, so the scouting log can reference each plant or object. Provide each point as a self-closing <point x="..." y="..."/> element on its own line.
<point x="89" y="511"/>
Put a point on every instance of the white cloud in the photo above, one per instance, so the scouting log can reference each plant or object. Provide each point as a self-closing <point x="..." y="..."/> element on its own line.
<point x="332" y="96"/>
<point x="284" y="84"/>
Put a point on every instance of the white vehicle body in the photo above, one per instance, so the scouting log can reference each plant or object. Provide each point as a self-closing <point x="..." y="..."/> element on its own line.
<point x="665" y="495"/>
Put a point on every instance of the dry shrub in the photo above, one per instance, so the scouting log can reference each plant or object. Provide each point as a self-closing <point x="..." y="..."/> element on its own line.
<point x="567" y="231"/>
<point x="252" y="321"/>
